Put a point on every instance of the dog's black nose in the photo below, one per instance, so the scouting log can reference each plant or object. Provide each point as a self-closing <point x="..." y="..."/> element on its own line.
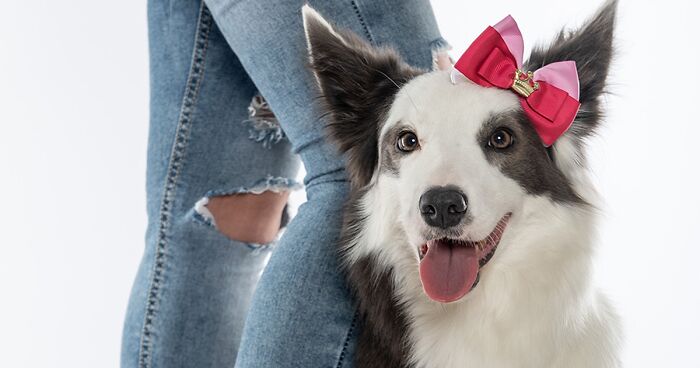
<point x="443" y="207"/>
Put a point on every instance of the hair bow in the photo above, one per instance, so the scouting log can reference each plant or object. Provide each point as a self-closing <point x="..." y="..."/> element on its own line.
<point x="549" y="95"/>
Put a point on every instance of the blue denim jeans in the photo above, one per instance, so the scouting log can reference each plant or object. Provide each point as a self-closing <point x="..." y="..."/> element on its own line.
<point x="192" y="303"/>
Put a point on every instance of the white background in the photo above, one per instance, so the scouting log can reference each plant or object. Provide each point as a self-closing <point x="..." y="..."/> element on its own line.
<point x="73" y="118"/>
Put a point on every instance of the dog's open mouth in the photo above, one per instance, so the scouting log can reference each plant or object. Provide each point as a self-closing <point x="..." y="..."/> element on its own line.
<point x="449" y="268"/>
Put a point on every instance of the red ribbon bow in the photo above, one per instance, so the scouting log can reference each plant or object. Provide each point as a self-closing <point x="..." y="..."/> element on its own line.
<point x="549" y="95"/>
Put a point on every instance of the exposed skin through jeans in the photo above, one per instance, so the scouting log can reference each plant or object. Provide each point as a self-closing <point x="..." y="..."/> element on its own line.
<point x="194" y="288"/>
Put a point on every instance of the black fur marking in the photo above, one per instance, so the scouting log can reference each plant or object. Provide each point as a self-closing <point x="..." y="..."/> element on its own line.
<point x="591" y="47"/>
<point x="384" y="328"/>
<point x="526" y="161"/>
<point x="358" y="83"/>
<point x="390" y="152"/>
<point x="382" y="341"/>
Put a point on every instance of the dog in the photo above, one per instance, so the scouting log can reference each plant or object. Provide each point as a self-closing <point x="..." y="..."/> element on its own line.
<point x="466" y="240"/>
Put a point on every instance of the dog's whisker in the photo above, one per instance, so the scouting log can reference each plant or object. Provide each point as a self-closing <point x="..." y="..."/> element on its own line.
<point x="398" y="87"/>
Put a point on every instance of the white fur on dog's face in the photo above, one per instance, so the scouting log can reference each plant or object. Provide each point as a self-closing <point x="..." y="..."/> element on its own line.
<point x="534" y="305"/>
<point x="448" y="120"/>
<point x="369" y="90"/>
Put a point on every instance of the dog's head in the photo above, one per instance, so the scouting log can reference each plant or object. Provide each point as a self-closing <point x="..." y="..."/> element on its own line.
<point x="450" y="165"/>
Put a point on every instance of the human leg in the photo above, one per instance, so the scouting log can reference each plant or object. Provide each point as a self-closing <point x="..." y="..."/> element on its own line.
<point x="302" y="314"/>
<point x="194" y="284"/>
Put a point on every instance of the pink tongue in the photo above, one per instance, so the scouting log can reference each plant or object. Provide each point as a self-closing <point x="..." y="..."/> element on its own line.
<point x="448" y="271"/>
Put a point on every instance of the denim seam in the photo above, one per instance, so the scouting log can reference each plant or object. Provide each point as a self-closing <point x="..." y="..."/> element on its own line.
<point x="318" y="182"/>
<point x="351" y="330"/>
<point x="192" y="88"/>
<point x="362" y="21"/>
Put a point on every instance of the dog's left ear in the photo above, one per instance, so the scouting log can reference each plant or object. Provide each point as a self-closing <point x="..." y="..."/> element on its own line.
<point x="358" y="83"/>
<point x="591" y="47"/>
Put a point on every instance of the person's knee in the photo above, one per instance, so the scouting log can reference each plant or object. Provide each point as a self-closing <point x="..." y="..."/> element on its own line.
<point x="250" y="218"/>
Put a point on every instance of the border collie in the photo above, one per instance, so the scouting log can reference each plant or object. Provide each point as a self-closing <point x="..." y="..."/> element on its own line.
<point x="466" y="240"/>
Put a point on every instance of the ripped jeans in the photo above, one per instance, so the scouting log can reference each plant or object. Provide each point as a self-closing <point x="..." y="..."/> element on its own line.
<point x="211" y="134"/>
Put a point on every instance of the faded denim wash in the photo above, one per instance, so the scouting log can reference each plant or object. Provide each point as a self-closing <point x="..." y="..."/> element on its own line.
<point x="192" y="303"/>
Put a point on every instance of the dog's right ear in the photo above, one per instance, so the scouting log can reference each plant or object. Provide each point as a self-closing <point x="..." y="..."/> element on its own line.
<point x="358" y="83"/>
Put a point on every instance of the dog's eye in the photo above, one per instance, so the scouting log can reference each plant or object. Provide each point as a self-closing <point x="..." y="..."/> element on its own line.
<point x="407" y="142"/>
<point x="500" y="139"/>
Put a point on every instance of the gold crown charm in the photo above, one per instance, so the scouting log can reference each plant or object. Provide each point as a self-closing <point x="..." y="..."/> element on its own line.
<point x="523" y="83"/>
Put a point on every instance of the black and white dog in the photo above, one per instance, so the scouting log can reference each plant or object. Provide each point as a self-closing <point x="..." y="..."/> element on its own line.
<point x="466" y="241"/>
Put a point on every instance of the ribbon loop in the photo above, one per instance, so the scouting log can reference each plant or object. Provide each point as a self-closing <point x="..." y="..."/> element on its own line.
<point x="548" y="102"/>
<point x="496" y="68"/>
<point x="549" y="96"/>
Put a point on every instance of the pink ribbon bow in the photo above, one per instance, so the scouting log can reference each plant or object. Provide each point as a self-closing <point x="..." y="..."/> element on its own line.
<point x="549" y="96"/>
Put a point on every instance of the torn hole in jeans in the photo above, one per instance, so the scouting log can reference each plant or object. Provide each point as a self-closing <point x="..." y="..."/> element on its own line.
<point x="262" y="123"/>
<point x="254" y="215"/>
